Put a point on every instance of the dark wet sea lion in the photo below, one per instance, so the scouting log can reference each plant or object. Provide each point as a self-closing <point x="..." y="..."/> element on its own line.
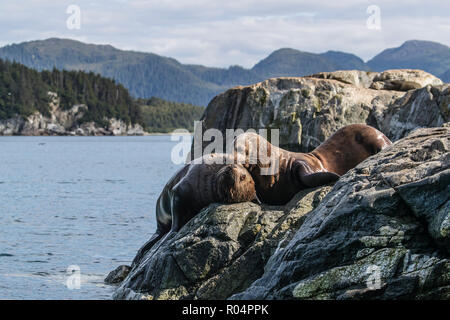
<point x="345" y="149"/>
<point x="195" y="186"/>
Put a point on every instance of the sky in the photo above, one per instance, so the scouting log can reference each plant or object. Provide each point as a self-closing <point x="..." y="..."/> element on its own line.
<point x="228" y="32"/>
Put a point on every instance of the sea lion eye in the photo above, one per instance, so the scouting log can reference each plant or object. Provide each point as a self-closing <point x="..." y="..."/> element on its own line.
<point x="242" y="177"/>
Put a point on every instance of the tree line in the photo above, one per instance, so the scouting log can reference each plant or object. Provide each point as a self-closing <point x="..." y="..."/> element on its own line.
<point x="24" y="91"/>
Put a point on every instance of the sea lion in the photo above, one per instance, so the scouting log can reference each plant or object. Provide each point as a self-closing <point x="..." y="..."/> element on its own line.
<point x="211" y="178"/>
<point x="293" y="171"/>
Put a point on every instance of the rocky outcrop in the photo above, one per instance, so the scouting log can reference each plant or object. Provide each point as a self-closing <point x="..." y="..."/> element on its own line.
<point x="308" y="110"/>
<point x="118" y="274"/>
<point x="387" y="218"/>
<point x="381" y="232"/>
<point x="65" y="122"/>
<point x="421" y="108"/>
<point x="219" y="252"/>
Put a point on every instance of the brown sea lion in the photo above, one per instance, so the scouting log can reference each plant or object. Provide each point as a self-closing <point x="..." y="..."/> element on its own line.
<point x="199" y="183"/>
<point x="291" y="171"/>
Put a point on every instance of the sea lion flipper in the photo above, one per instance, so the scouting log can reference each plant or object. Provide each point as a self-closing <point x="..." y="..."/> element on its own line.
<point x="146" y="247"/>
<point x="318" y="178"/>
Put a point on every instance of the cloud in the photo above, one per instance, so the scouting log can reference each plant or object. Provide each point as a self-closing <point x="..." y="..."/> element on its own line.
<point x="223" y="33"/>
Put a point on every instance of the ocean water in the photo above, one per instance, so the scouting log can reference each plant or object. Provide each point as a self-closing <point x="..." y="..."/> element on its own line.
<point x="74" y="208"/>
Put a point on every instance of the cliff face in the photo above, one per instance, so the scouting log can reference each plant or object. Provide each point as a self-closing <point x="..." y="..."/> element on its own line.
<point x="64" y="122"/>
<point x="308" y="110"/>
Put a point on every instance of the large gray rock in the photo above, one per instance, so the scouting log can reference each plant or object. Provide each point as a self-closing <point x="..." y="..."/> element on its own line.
<point x="308" y="110"/>
<point x="426" y="107"/>
<point x="219" y="252"/>
<point x="390" y="216"/>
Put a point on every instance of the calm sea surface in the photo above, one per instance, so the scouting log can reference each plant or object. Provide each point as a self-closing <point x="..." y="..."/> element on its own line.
<point x="85" y="202"/>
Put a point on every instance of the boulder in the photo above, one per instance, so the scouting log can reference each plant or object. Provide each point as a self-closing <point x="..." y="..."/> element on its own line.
<point x="118" y="274"/>
<point x="358" y="78"/>
<point x="404" y="80"/>
<point x="219" y="252"/>
<point x="382" y="232"/>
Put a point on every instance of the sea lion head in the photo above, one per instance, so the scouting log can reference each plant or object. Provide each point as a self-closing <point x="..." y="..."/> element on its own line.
<point x="235" y="184"/>
<point x="370" y="139"/>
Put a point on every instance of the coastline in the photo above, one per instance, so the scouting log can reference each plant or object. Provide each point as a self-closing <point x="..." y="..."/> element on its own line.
<point x="102" y="135"/>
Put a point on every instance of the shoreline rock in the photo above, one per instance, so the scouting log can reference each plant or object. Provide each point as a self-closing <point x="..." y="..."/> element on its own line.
<point x="391" y="213"/>
<point x="219" y="252"/>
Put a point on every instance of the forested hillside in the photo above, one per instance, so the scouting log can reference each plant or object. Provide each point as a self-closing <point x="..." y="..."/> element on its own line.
<point x="24" y="91"/>
<point x="164" y="116"/>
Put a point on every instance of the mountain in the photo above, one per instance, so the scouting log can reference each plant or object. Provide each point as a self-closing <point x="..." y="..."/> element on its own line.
<point x="345" y="61"/>
<point x="429" y="56"/>
<point x="147" y="75"/>
<point x="290" y="62"/>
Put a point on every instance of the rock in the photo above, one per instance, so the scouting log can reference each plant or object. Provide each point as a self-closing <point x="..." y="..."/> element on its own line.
<point x="404" y="80"/>
<point x="11" y="126"/>
<point x="398" y="79"/>
<point x="65" y="122"/>
<point x="118" y="274"/>
<point x="305" y="110"/>
<point x="135" y="130"/>
<point x="382" y="232"/>
<point x="308" y="110"/>
<point x="425" y="107"/>
<point x="219" y="252"/>
<point x="56" y="129"/>
<point x="363" y="79"/>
